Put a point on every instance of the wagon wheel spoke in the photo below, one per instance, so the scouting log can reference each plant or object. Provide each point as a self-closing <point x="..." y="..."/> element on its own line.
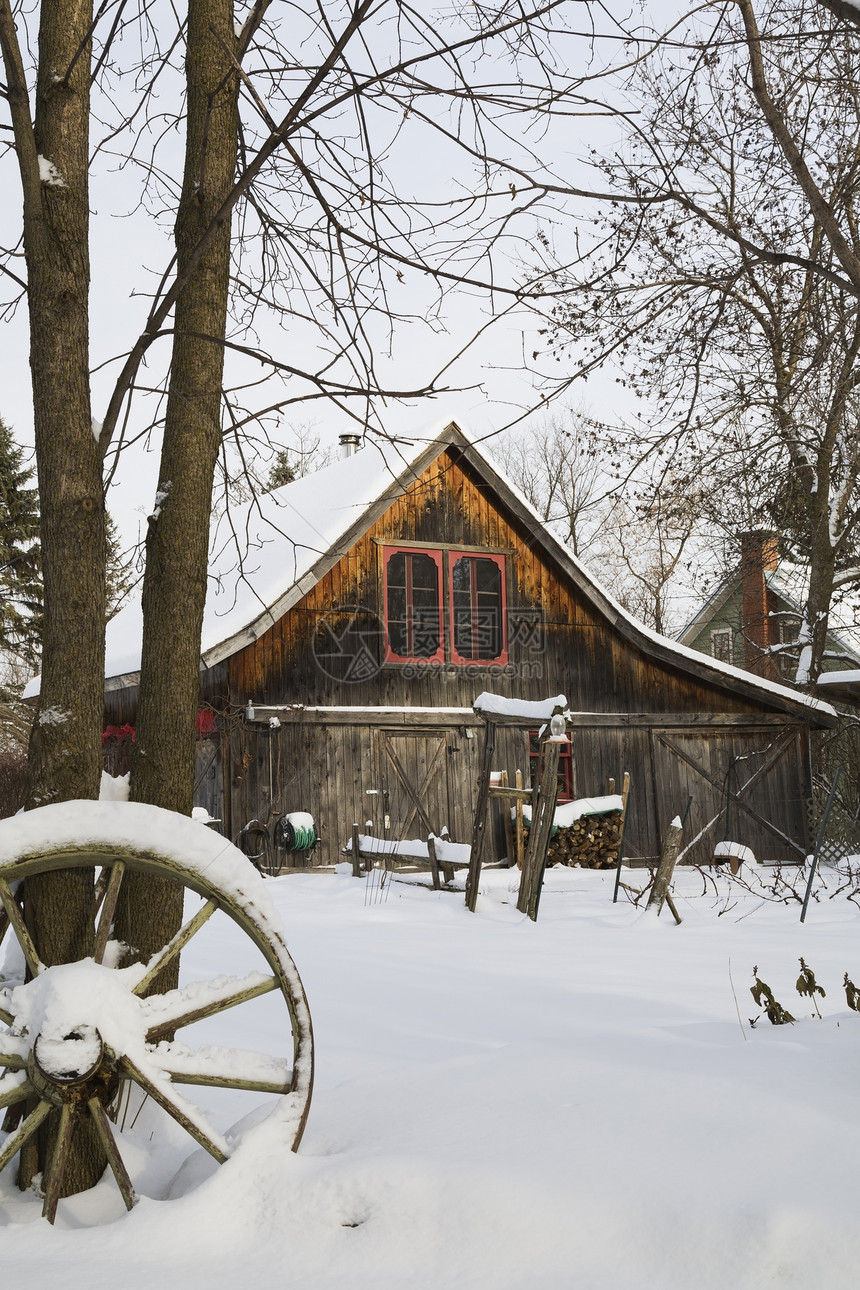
<point x="4" y="923"/>
<point x="111" y="1150"/>
<point x="229" y="1081"/>
<point x="16" y="918"/>
<point x="15" y="1141"/>
<point x="225" y="1068"/>
<point x="8" y="1020"/>
<point x="108" y="909"/>
<point x="59" y="1161"/>
<point x="242" y="993"/>
<point x="15" y="1093"/>
<point x="176" y="1112"/>
<point x="172" y="948"/>
<point x="13" y="1061"/>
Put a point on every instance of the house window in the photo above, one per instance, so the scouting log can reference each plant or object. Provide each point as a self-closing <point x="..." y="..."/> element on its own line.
<point x="477" y="590"/>
<point x="721" y="644"/>
<point x="787" y="659"/>
<point x="413" y="606"/>
<point x="420" y="585"/>
<point x="565" y="766"/>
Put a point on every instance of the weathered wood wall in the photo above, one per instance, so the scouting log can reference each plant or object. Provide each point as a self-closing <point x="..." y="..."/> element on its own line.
<point x="675" y="732"/>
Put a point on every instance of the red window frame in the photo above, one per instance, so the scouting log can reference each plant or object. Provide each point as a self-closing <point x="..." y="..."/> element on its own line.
<point x="500" y="659"/>
<point x="436" y="556"/>
<point x="565" y="765"/>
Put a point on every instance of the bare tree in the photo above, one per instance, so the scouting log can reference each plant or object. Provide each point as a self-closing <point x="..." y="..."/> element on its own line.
<point x="642" y="542"/>
<point x="643" y="552"/>
<point x="554" y="464"/>
<point x="722" y="292"/>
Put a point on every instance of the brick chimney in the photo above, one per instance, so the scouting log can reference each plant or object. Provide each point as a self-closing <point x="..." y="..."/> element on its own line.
<point x="759" y="555"/>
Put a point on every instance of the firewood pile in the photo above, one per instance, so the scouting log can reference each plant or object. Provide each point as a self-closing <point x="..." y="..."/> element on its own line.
<point x="592" y="841"/>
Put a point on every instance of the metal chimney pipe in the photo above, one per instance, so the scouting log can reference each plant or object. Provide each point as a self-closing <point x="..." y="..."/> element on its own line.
<point x="349" y="444"/>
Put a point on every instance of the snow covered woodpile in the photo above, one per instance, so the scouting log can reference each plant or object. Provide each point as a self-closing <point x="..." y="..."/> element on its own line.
<point x="592" y="842"/>
<point x="586" y="832"/>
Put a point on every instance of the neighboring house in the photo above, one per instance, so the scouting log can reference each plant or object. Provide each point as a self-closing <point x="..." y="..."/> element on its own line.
<point x="376" y="598"/>
<point x="753" y="618"/>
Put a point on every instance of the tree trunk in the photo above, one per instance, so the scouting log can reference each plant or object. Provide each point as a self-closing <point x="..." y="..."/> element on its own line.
<point x="53" y="155"/>
<point x="822" y="568"/>
<point x="177" y="548"/>
<point x="65" y="744"/>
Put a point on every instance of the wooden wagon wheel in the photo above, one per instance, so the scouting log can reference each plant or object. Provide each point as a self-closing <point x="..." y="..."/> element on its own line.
<point x="73" y="1034"/>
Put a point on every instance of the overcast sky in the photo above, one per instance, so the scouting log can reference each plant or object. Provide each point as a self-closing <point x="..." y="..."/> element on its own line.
<point x="129" y="250"/>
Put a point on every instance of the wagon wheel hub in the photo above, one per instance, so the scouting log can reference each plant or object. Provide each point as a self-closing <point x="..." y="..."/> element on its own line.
<point x="72" y="1068"/>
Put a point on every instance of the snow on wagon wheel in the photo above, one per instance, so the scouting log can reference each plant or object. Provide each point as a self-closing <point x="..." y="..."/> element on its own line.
<point x="72" y="1036"/>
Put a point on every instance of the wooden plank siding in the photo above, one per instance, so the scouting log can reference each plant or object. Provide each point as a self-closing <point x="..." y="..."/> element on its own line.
<point x="596" y="668"/>
<point x="674" y="727"/>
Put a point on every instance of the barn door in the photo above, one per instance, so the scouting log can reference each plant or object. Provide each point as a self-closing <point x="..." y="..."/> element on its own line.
<point x="747" y="785"/>
<point x="208" y="789"/>
<point x="413" y="777"/>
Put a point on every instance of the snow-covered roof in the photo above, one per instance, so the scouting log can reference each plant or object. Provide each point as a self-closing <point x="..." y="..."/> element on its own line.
<point x="263" y="554"/>
<point x="268" y="554"/>
<point x="849" y="676"/>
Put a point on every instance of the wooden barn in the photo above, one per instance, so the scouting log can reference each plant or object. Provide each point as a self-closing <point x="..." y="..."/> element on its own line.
<point x="355" y="615"/>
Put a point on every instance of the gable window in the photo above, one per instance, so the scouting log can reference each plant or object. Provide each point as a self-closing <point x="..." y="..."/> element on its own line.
<point x="413" y="605"/>
<point x="443" y="605"/>
<point x="721" y="644"/>
<point x="477" y="608"/>
<point x="787" y="659"/>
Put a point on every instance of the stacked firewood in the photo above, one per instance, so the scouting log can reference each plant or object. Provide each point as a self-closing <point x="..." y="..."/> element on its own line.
<point x="592" y="841"/>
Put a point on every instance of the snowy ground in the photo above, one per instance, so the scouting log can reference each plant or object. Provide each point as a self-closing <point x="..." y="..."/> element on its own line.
<point x="571" y="1105"/>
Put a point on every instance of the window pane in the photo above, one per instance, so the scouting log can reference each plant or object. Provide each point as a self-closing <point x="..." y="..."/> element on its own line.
<point x="488" y="576"/>
<point x="424" y="571"/>
<point x="565" y="767"/>
<point x="721" y="645"/>
<point x="397" y="570"/>
<point x="413" y="604"/>
<point x="477" y="604"/>
<point x="462" y="576"/>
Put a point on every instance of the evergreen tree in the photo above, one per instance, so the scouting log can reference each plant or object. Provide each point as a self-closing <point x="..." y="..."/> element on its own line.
<point x="282" y="471"/>
<point x="20" y="562"/>
<point x="119" y="571"/>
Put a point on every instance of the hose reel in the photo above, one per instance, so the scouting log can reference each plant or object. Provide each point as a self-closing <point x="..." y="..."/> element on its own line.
<point x="295" y="832"/>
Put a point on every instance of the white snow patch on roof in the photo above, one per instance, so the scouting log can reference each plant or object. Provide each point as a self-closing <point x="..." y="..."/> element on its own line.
<point x="846" y="677"/>
<point x="259" y="552"/>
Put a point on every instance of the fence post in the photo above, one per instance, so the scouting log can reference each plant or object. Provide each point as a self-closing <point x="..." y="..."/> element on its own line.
<point x="434" y="864"/>
<point x="518" y="823"/>
<point x="510" y="846"/>
<point x="541" y="826"/>
<point x="819" y="840"/>
<point x="479" y="831"/>
<point x="666" y="867"/>
<point x="625" y="793"/>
